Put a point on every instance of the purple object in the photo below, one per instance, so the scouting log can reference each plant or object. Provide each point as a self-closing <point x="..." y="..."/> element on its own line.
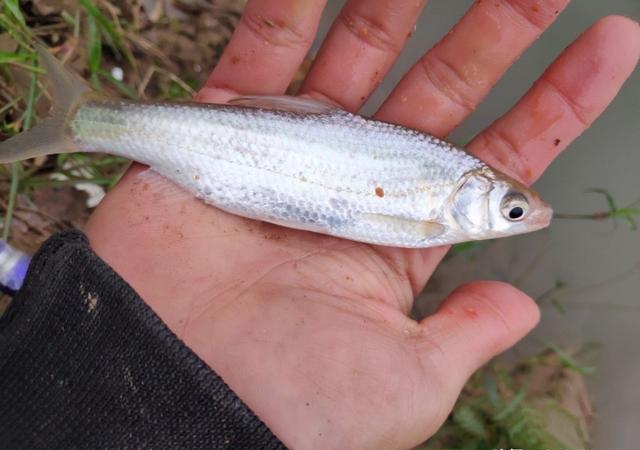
<point x="13" y="268"/>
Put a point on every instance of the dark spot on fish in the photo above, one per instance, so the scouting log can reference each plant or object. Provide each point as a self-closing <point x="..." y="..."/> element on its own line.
<point x="379" y="192"/>
<point x="557" y="11"/>
<point x="235" y="59"/>
<point x="556" y="142"/>
<point x="362" y="98"/>
<point x="535" y="8"/>
<point x="145" y="187"/>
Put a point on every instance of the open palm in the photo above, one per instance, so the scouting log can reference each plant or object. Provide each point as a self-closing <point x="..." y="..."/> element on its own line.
<point x="312" y="331"/>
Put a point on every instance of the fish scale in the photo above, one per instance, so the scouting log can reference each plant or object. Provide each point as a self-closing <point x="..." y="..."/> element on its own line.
<point x="225" y="155"/>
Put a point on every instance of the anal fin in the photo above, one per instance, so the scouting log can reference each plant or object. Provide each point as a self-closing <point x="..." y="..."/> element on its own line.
<point x="410" y="228"/>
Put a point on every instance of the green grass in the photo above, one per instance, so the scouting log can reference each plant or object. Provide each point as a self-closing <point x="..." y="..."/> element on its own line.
<point x="627" y="214"/>
<point x="97" y="29"/>
<point x="108" y="28"/>
<point x="17" y="28"/>
<point x="496" y="409"/>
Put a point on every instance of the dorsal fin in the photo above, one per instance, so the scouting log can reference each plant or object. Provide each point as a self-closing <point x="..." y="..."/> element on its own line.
<point x="284" y="103"/>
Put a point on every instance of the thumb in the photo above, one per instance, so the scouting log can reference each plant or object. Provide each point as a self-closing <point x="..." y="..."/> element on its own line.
<point x="475" y="323"/>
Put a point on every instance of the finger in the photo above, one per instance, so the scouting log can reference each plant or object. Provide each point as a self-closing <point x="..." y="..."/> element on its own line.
<point x="475" y="323"/>
<point x="575" y="89"/>
<point x="564" y="102"/>
<point x="453" y="77"/>
<point x="360" y="48"/>
<point x="268" y="46"/>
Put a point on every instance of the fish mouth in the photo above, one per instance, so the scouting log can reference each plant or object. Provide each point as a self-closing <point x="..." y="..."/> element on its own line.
<point x="541" y="217"/>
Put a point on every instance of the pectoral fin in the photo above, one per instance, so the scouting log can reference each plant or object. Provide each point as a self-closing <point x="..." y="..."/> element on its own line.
<point x="417" y="228"/>
<point x="284" y="103"/>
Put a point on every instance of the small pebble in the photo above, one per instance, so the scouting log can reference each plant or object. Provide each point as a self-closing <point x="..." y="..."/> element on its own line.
<point x="117" y="73"/>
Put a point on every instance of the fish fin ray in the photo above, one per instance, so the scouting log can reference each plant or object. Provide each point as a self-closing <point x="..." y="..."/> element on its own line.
<point x="67" y="87"/>
<point x="287" y="103"/>
<point x="49" y="135"/>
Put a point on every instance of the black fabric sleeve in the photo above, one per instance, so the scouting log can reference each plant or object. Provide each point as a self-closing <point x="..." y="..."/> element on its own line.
<point x="86" y="364"/>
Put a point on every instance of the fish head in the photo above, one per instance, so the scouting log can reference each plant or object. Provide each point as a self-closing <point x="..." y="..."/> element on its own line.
<point x="488" y="204"/>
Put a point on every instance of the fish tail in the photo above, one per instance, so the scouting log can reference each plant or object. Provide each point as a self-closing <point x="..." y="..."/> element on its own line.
<point x="49" y="136"/>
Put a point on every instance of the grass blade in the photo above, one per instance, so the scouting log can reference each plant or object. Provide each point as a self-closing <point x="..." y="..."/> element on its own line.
<point x="13" y="8"/>
<point x="569" y="362"/>
<point x="108" y="29"/>
<point x="610" y="201"/>
<point x="95" y="51"/>
<point x="9" y="57"/>
<point x="16" y="167"/>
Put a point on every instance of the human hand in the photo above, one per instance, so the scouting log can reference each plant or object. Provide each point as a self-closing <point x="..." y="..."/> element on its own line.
<point x="312" y="331"/>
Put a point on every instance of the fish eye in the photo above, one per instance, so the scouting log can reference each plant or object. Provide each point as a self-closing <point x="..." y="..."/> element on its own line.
<point x="514" y="207"/>
<point x="516" y="212"/>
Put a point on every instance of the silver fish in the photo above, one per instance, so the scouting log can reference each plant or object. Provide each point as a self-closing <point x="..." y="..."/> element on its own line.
<point x="294" y="162"/>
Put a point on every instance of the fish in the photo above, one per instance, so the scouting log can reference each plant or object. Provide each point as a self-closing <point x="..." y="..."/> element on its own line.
<point x="295" y="162"/>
